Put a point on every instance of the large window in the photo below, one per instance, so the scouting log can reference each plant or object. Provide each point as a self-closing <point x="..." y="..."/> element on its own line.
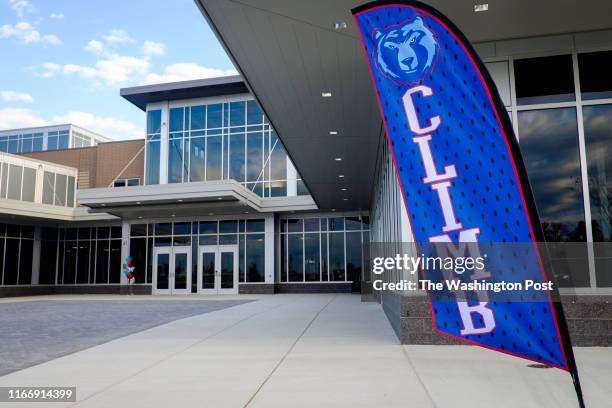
<point x="81" y="256"/>
<point x="247" y="234"/>
<point x="220" y="141"/>
<point x="323" y="249"/>
<point x="561" y="112"/>
<point x="16" y="249"/>
<point x="22" y="143"/>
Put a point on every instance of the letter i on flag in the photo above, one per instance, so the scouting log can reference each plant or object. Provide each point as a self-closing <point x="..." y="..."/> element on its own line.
<point x="461" y="173"/>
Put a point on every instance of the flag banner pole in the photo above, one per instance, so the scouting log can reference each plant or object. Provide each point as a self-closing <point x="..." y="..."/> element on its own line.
<point x="463" y="180"/>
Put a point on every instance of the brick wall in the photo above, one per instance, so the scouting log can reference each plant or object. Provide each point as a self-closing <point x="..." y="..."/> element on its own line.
<point x="99" y="165"/>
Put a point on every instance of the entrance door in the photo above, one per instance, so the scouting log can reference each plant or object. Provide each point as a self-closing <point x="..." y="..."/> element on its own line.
<point x="218" y="269"/>
<point x="172" y="270"/>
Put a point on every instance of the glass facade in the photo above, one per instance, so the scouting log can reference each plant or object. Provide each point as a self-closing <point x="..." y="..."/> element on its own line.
<point x="80" y="256"/>
<point x="41" y="139"/>
<point x="248" y="234"/>
<point x="323" y="249"/>
<point x="220" y="141"/>
<point x="16" y="249"/>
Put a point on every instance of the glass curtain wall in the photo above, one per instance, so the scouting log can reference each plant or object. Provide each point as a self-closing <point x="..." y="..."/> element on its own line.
<point x="562" y="112"/>
<point x="247" y="234"/>
<point x="220" y="141"/>
<point x="16" y="247"/>
<point x="323" y="249"/>
<point x="80" y="256"/>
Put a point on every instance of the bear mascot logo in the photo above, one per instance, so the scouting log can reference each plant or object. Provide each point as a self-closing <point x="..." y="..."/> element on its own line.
<point x="405" y="53"/>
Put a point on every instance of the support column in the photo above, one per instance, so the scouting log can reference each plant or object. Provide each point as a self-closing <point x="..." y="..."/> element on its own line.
<point x="269" y="248"/>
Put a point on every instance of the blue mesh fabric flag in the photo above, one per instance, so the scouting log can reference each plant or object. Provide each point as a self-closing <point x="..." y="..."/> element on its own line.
<point x="461" y="173"/>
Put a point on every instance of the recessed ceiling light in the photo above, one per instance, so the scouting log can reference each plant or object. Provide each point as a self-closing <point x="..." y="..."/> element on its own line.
<point x="138" y="202"/>
<point x="140" y="217"/>
<point x="211" y="213"/>
<point x="340" y="175"/>
<point x="338" y="159"/>
<point x="180" y="200"/>
<point x="103" y="205"/>
<point x="481" y="7"/>
<point x="340" y="25"/>
<point x="333" y="209"/>
<point x="345" y="199"/>
<point x="246" y="212"/>
<point x="219" y="198"/>
<point x="173" y="215"/>
<point x="326" y="94"/>
<point x="343" y="189"/>
<point x="333" y="132"/>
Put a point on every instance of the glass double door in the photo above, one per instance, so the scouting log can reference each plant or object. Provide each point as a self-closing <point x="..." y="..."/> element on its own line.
<point x="172" y="270"/>
<point x="218" y="269"/>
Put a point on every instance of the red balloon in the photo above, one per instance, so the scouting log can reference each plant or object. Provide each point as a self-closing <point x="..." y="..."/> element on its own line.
<point x="129" y="264"/>
<point x="130" y="276"/>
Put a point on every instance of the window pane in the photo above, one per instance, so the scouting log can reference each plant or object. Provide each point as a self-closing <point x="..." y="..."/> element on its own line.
<point x="214" y="146"/>
<point x="138" y="230"/>
<point x="595" y="79"/>
<point x="255" y="255"/>
<point x="550" y="137"/>
<point x="163" y="229"/>
<point x="63" y="142"/>
<point x="48" y="255"/>
<point x="48" y="181"/>
<point x="296" y="225"/>
<point x="208" y="227"/>
<point x="83" y="262"/>
<point x="255" y="115"/>
<point x="254" y="156"/>
<point x="196" y="159"/>
<point x="70" y="192"/>
<point x="336" y="256"/>
<point x="115" y="261"/>
<point x="228" y="227"/>
<point x="311" y="224"/>
<point x="295" y="257"/>
<point x="198" y="117"/>
<point x="237" y="147"/>
<point x="278" y="160"/>
<point x="214" y="115"/>
<point x="61" y="182"/>
<point x="598" y="134"/>
<point x="25" y="261"/>
<point x="4" y="183"/>
<point x="182" y="228"/>
<point x="70" y="255"/>
<point x="353" y="223"/>
<point x="29" y="184"/>
<point x="11" y="262"/>
<point x="175" y="161"/>
<point x="544" y="79"/>
<point x="353" y="258"/>
<point x="336" y="224"/>
<point x="14" y="182"/>
<point x="152" y="175"/>
<point x="324" y="274"/>
<point x="176" y="119"/>
<point x="311" y="257"/>
<point x="138" y="252"/>
<point x="153" y="121"/>
<point x="237" y="114"/>
<point x="255" y="226"/>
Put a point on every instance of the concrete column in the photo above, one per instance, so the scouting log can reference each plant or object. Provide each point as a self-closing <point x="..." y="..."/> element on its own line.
<point x="125" y="248"/>
<point x="269" y="248"/>
<point x="36" y="257"/>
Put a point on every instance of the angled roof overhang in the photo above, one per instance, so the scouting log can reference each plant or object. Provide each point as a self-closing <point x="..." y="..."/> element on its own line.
<point x="187" y="199"/>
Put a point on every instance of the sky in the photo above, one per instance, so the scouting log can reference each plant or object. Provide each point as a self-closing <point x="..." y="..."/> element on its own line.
<point x="64" y="61"/>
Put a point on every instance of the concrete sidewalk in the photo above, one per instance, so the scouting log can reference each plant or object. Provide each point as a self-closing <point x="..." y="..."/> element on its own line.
<point x="305" y="351"/>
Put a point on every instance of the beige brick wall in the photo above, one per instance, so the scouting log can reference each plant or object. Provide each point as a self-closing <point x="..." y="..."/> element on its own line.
<point x="98" y="166"/>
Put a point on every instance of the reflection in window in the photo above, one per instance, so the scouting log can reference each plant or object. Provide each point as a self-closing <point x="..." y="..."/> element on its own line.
<point x="549" y="142"/>
<point x="544" y="79"/>
<point x="598" y="134"/>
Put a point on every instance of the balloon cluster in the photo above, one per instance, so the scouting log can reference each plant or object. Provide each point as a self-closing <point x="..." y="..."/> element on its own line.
<point x="128" y="269"/>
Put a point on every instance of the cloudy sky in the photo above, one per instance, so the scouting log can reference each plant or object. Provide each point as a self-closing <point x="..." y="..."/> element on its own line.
<point x="65" y="60"/>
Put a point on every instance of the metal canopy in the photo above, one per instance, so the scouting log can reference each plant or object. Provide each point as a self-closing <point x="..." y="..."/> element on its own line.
<point x="290" y="52"/>
<point x="199" y="88"/>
